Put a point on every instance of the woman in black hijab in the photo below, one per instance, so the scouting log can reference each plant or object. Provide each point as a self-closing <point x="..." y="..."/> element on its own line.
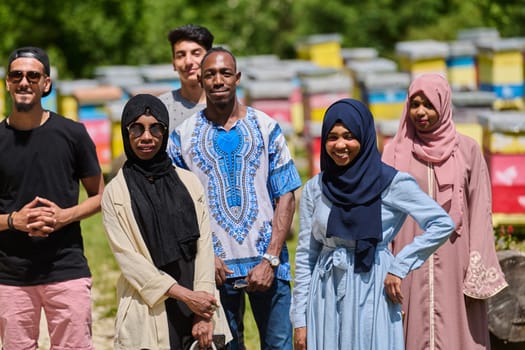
<point x="158" y="228"/>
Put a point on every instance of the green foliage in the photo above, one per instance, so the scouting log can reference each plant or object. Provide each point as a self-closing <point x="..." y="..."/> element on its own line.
<point x="80" y="35"/>
<point x="509" y="236"/>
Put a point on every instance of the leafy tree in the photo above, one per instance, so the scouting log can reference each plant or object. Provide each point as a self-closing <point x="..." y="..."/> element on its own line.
<point x="80" y="36"/>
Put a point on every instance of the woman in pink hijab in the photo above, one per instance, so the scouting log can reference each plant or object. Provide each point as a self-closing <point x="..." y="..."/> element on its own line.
<point x="445" y="300"/>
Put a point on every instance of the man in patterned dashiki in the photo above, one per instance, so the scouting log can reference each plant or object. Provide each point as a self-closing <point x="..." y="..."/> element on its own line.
<point x="241" y="157"/>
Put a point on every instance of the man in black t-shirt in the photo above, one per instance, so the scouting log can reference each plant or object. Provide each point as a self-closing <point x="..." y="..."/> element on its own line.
<point x="43" y="159"/>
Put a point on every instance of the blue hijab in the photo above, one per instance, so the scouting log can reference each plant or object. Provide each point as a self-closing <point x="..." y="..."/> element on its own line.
<point x="355" y="190"/>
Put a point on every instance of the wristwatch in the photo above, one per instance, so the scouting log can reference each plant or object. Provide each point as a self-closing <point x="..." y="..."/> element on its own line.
<point x="272" y="259"/>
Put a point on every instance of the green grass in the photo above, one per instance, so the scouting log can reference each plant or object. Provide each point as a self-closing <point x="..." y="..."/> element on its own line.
<point x="251" y="335"/>
<point x="105" y="272"/>
<point x="104" y="268"/>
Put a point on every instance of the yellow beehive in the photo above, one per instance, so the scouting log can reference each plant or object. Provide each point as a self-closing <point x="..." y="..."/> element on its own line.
<point x="385" y="93"/>
<point x="435" y="65"/>
<point x="461" y="66"/>
<point x="507" y="219"/>
<point x="67" y="103"/>
<point x="500" y="62"/>
<point x="320" y="89"/>
<point x="503" y="132"/>
<point x="117" y="147"/>
<point x="322" y="49"/>
<point x="297" y="111"/>
<point x="68" y="106"/>
<point x="462" y="77"/>
<point x="382" y="111"/>
<point x="422" y="56"/>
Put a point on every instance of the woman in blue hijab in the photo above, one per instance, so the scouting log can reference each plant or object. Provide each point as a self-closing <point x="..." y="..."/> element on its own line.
<point x="347" y="282"/>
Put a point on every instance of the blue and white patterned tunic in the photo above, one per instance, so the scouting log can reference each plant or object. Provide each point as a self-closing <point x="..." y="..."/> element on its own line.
<point x="243" y="171"/>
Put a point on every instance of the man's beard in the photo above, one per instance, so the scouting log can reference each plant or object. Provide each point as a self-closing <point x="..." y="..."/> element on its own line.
<point x="24" y="106"/>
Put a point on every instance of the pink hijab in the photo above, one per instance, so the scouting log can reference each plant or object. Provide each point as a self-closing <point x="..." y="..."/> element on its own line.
<point x="438" y="146"/>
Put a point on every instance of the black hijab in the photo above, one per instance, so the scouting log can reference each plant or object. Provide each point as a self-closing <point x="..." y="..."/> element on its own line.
<point x="355" y="189"/>
<point x="162" y="206"/>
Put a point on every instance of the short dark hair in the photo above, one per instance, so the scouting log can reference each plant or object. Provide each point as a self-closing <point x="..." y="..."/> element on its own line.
<point x="219" y="49"/>
<point x="191" y="32"/>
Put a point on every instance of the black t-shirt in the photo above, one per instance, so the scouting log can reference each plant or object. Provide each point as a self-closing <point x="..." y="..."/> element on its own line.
<point x="48" y="162"/>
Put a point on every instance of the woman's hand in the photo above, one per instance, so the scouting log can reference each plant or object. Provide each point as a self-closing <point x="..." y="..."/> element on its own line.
<point x="299" y="338"/>
<point x="202" y="331"/>
<point x="393" y="288"/>
<point x="200" y="302"/>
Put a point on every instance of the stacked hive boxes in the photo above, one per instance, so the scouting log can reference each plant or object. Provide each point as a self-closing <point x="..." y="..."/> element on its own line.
<point x="94" y="114"/>
<point x="386" y="129"/>
<point x="383" y="88"/>
<point x="67" y="102"/>
<point x="467" y="105"/>
<point x="359" y="69"/>
<point x="422" y="56"/>
<point x="273" y="98"/>
<point x="358" y="54"/>
<point x="156" y="80"/>
<point x="296" y="98"/>
<point x="385" y="94"/>
<point x="504" y="144"/>
<point x="270" y="90"/>
<point x="461" y="66"/>
<point x="500" y="65"/>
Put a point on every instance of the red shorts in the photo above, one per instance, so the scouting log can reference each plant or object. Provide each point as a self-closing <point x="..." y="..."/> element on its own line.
<point x="67" y="306"/>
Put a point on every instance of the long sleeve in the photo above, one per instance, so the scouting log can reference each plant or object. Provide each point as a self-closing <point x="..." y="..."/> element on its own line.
<point x="204" y="277"/>
<point x="406" y="196"/>
<point x="128" y="247"/>
<point x="306" y="255"/>
<point x="484" y="277"/>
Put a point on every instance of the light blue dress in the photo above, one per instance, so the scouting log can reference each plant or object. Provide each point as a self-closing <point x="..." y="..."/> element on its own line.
<point x="346" y="310"/>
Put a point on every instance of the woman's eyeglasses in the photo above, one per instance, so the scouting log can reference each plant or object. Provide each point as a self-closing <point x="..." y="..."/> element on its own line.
<point x="137" y="129"/>
<point x="16" y="76"/>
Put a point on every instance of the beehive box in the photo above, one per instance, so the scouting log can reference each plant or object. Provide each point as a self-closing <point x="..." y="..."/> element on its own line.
<point x="385" y="94"/>
<point x="500" y="65"/>
<point x="358" y="70"/>
<point x="507" y="174"/>
<point x="503" y="132"/>
<point x="422" y="56"/>
<point x="274" y="98"/>
<point x="359" y="54"/>
<point x="323" y="49"/>
<point x="386" y="130"/>
<point x="467" y="105"/>
<point x="461" y="66"/>
<point x="322" y="88"/>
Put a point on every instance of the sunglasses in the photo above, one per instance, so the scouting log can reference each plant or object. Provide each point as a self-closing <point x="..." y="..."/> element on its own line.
<point x="16" y="76"/>
<point x="137" y="129"/>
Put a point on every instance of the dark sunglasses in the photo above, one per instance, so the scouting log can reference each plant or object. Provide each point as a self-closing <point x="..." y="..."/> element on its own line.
<point x="137" y="129"/>
<point x="16" y="76"/>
